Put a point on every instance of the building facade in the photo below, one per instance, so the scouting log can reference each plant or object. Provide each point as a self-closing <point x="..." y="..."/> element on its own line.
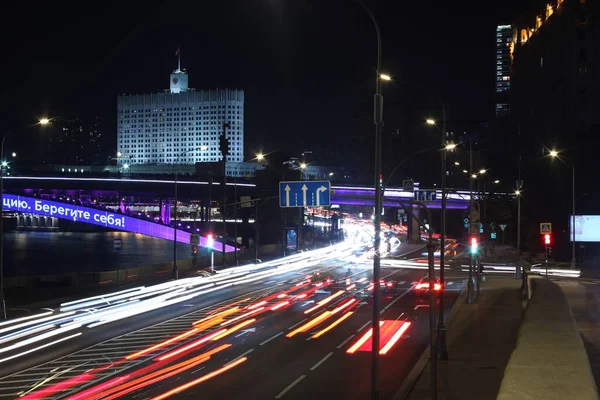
<point x="555" y="98"/>
<point x="75" y="141"/>
<point x="180" y="126"/>
<point x="556" y="75"/>
<point x="504" y="39"/>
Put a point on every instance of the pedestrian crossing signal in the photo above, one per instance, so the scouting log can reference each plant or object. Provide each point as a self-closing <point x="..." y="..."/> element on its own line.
<point x="547" y="239"/>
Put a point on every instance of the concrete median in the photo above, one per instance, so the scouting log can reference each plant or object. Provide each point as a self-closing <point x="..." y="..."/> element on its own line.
<point x="549" y="361"/>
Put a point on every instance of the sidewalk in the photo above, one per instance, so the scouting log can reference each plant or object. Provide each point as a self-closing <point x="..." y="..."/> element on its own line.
<point x="481" y="338"/>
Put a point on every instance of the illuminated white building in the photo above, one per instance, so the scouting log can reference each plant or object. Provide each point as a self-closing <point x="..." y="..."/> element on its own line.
<point x="180" y="125"/>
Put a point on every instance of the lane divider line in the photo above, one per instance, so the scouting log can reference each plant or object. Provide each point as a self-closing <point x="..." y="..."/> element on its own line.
<point x="238" y="357"/>
<point x="271" y="338"/>
<point x="290" y="386"/>
<point x="322" y="361"/>
<point x="345" y="341"/>
<point x="295" y="325"/>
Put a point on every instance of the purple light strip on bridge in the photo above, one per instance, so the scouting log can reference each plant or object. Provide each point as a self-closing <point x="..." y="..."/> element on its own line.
<point x="106" y="219"/>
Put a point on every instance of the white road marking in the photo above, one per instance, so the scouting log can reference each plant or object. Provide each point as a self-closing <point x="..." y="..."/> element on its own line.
<point x="199" y="369"/>
<point x="240" y="356"/>
<point x="322" y="361"/>
<point x="295" y="325"/>
<point x="271" y="338"/>
<point x="364" y="326"/>
<point x="344" y="342"/>
<point x="287" y="389"/>
<point x="421" y="305"/>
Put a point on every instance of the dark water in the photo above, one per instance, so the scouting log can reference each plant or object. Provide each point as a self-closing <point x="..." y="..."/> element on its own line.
<point x="33" y="253"/>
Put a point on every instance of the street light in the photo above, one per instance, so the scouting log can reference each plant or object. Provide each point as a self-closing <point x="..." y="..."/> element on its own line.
<point x="125" y="166"/>
<point x="385" y="77"/>
<point x="456" y="163"/>
<point x="175" y="269"/>
<point x="119" y="154"/>
<point x="441" y="350"/>
<point x="496" y="181"/>
<point x="3" y="166"/>
<point x="482" y="171"/>
<point x="259" y="157"/>
<point x="555" y="154"/>
<point x="450" y="146"/>
<point x="378" y="120"/>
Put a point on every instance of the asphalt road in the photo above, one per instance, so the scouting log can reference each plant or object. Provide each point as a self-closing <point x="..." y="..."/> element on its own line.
<point x="258" y="360"/>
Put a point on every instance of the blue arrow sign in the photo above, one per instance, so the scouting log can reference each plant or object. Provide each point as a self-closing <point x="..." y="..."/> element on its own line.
<point x="425" y="195"/>
<point x="304" y="193"/>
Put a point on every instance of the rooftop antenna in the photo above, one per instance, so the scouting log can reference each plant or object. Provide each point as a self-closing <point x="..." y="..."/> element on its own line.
<point x="178" y="54"/>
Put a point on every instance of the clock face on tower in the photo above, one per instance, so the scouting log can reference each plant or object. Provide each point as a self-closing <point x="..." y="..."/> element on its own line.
<point x="175" y="80"/>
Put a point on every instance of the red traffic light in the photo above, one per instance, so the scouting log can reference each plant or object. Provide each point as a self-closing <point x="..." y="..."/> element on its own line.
<point x="547" y="239"/>
<point x="474" y="245"/>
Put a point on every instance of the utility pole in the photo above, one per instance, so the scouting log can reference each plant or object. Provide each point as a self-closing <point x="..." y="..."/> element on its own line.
<point x="441" y="347"/>
<point x="470" y="283"/>
<point x="256" y="228"/>
<point x="224" y="147"/>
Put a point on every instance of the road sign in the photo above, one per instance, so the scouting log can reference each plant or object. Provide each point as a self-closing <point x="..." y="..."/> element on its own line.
<point x="408" y="184"/>
<point x="474" y="215"/>
<point x="493" y="235"/>
<point x="425" y="195"/>
<point x="195" y="239"/>
<point x="475" y="228"/>
<point x="246" y="201"/>
<point x="117" y="244"/>
<point x="503" y="227"/>
<point x="545" y="227"/>
<point x="304" y="193"/>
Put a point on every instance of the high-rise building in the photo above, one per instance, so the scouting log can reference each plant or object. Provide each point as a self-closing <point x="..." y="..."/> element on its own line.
<point x="504" y="39"/>
<point x="556" y="72"/>
<point x="180" y="126"/>
<point x="75" y="141"/>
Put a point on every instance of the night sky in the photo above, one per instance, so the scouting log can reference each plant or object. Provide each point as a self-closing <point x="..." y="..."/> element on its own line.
<point x="307" y="66"/>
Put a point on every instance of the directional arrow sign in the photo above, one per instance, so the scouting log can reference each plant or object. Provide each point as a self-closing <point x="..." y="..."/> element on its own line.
<point x="304" y="193"/>
<point x="246" y="331"/>
<point x="320" y="189"/>
<point x="304" y="189"/>
<point x="287" y="195"/>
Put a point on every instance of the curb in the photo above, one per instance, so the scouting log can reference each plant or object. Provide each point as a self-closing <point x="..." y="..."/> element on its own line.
<point x="415" y="373"/>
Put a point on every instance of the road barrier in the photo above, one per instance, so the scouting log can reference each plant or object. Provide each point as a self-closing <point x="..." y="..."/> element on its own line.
<point x="549" y="361"/>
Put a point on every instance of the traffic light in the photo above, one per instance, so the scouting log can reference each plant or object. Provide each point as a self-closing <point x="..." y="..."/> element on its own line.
<point x="547" y="239"/>
<point x="474" y="245"/>
<point x="224" y="145"/>
<point x="194" y="250"/>
<point x="210" y="241"/>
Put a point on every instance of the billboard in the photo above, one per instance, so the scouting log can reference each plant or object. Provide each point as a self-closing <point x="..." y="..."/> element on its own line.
<point x="105" y="218"/>
<point x="587" y="228"/>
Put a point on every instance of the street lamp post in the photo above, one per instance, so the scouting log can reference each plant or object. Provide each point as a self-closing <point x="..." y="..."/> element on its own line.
<point x="378" y="119"/>
<point x="555" y="154"/>
<point x="470" y="283"/>
<point x="42" y="121"/>
<point x="175" y="268"/>
<point x="259" y="157"/>
<point x="441" y="347"/>
<point x="2" y="298"/>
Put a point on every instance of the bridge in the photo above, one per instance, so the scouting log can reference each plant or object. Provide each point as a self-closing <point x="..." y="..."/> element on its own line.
<point x="104" y="218"/>
<point x="342" y="194"/>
